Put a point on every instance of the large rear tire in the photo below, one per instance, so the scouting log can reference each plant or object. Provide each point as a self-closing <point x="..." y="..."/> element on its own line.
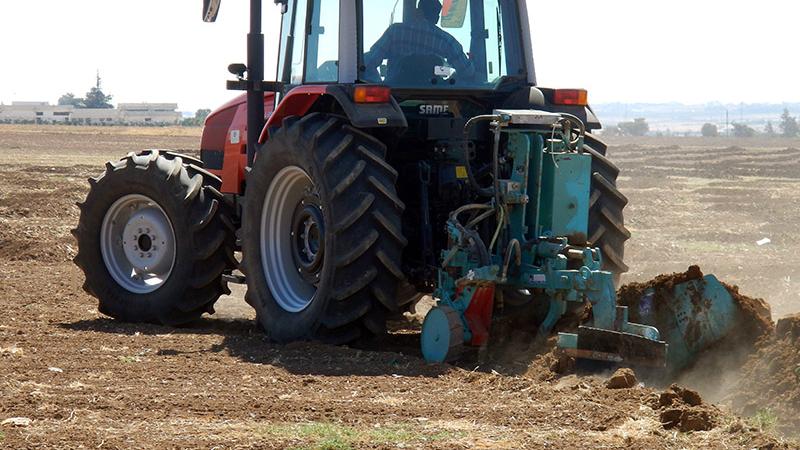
<point x="154" y="239"/>
<point x="322" y="238"/>
<point x="606" y="222"/>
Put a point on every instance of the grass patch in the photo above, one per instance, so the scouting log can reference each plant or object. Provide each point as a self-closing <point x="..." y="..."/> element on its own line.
<point x="129" y="359"/>
<point x="333" y="436"/>
<point x="765" y="420"/>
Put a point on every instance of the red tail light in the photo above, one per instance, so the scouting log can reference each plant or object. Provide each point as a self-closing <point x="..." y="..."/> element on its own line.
<point x="372" y="94"/>
<point x="571" y="97"/>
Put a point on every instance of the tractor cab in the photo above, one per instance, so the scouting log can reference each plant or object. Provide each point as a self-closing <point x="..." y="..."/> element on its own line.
<point x="404" y="44"/>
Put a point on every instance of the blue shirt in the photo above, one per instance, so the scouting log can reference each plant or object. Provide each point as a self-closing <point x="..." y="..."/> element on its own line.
<point x="418" y="37"/>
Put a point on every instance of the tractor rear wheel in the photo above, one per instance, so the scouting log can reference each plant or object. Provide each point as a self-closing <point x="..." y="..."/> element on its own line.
<point x="154" y="239"/>
<point x="322" y="238"/>
<point x="606" y="223"/>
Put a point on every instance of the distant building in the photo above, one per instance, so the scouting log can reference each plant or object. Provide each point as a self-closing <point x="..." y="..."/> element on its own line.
<point x="124" y="114"/>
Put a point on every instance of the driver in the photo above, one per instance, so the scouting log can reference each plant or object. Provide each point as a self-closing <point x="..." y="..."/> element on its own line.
<point x="420" y="36"/>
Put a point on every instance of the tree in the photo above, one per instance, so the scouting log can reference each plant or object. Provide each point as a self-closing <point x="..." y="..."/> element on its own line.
<point x="743" y="131"/>
<point x="201" y="115"/>
<point x="709" y="130"/>
<point x="69" y="99"/>
<point x="95" y="98"/>
<point x="769" y="130"/>
<point x="198" y="120"/>
<point x="788" y="125"/>
<point x="638" y="127"/>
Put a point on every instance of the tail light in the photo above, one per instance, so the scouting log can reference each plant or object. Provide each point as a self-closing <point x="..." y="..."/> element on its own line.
<point x="372" y="94"/>
<point x="571" y="97"/>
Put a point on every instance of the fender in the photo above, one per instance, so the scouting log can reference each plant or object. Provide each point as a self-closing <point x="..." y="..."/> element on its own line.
<point x="300" y="100"/>
<point x="223" y="147"/>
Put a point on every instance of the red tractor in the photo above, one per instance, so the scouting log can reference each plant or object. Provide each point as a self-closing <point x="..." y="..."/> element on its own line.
<point x="338" y="182"/>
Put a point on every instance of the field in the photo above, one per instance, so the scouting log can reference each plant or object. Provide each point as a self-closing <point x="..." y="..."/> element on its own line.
<point x="86" y="381"/>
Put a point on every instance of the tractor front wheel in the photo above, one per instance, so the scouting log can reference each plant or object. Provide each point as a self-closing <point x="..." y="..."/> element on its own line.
<point x="322" y="237"/>
<point x="154" y="239"/>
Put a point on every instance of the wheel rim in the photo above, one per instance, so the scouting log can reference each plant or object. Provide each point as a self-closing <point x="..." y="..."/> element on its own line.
<point x="137" y="243"/>
<point x="292" y="239"/>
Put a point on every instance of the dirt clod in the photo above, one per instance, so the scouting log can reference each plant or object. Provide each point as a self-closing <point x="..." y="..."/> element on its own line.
<point x="623" y="378"/>
<point x="788" y="327"/>
<point x="684" y="409"/>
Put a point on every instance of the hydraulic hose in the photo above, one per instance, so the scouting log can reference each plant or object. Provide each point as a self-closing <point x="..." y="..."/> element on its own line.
<point x="482" y="191"/>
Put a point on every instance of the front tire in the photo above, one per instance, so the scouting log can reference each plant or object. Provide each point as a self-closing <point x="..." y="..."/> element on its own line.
<point x="154" y="239"/>
<point x="322" y="239"/>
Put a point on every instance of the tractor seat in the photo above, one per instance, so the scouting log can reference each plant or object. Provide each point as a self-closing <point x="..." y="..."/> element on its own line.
<point x="413" y="70"/>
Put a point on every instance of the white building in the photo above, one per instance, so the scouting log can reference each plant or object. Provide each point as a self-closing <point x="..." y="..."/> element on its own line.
<point x="125" y="114"/>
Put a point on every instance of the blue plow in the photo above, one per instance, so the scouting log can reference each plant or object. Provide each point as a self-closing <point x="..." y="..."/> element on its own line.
<point x="531" y="237"/>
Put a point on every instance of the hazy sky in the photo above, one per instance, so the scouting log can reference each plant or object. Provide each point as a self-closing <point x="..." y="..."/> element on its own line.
<point x="688" y="51"/>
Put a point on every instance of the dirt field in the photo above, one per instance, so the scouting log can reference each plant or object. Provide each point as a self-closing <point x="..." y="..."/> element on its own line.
<point x="86" y="381"/>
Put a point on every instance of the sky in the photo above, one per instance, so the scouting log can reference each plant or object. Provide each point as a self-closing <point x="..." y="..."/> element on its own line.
<point x="632" y="51"/>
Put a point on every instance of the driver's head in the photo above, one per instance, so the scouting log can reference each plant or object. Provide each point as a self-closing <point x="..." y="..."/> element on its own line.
<point x="430" y="10"/>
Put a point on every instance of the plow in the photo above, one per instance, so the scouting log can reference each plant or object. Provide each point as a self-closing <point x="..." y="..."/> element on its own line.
<point x="539" y="209"/>
<point x="378" y="168"/>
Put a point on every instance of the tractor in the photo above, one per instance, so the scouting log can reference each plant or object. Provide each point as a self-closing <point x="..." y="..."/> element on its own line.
<point x="405" y="149"/>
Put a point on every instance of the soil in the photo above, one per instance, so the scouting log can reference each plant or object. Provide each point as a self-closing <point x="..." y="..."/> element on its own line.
<point x="83" y="380"/>
<point x="685" y="410"/>
<point x="770" y="379"/>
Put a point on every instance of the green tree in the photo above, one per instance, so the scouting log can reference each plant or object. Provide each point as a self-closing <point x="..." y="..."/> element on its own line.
<point x="198" y="120"/>
<point x="69" y="99"/>
<point x="709" y="130"/>
<point x="638" y="127"/>
<point x="743" y="131"/>
<point x="788" y="125"/>
<point x="95" y="98"/>
<point x="201" y="115"/>
<point x="769" y="130"/>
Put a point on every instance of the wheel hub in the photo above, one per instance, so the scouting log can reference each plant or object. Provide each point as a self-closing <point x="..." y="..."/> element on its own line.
<point x="144" y="240"/>
<point x="137" y="243"/>
<point x="308" y="238"/>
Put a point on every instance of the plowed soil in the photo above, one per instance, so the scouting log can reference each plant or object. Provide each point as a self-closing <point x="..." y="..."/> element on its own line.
<point x="85" y="381"/>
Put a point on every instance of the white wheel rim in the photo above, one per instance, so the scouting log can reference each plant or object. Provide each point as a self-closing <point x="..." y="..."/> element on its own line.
<point x="291" y="291"/>
<point x="137" y="243"/>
